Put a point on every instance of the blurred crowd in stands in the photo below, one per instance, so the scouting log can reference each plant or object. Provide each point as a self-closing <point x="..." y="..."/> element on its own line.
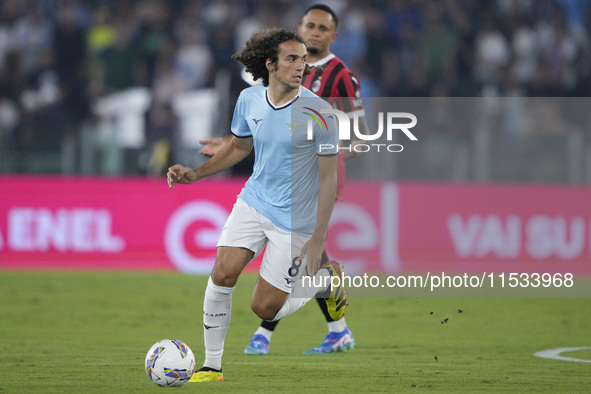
<point x="57" y="57"/>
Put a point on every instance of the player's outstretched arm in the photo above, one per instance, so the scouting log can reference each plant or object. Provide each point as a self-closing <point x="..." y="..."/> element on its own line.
<point x="214" y="144"/>
<point x="327" y="167"/>
<point x="230" y="154"/>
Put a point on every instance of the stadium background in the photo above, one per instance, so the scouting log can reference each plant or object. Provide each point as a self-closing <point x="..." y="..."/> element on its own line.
<point x="58" y="59"/>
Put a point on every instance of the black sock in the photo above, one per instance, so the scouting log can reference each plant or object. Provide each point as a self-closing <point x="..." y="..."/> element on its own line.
<point x="324" y="258"/>
<point x="269" y="325"/>
<point x="321" y="301"/>
<point x="205" y="369"/>
<point x="324" y="309"/>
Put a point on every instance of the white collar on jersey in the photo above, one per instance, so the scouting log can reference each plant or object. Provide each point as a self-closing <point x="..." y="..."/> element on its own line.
<point x="297" y="96"/>
<point x="322" y="61"/>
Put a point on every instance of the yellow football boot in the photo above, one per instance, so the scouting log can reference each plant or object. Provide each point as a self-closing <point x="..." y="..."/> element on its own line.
<point x="206" y="375"/>
<point x="336" y="302"/>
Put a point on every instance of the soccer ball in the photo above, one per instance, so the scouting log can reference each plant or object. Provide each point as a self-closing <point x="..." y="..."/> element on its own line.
<point x="170" y="362"/>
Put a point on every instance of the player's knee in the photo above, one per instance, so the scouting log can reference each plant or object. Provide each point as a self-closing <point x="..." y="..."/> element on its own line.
<point x="264" y="310"/>
<point x="223" y="277"/>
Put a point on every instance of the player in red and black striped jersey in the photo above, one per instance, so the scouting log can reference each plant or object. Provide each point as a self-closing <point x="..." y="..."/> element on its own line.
<point x="332" y="80"/>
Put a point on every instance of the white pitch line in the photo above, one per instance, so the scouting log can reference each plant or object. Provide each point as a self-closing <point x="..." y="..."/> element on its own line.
<point x="554" y="354"/>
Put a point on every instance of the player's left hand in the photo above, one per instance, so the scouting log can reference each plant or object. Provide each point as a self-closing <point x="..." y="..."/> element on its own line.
<point x="313" y="251"/>
<point x="179" y="174"/>
<point x="351" y="152"/>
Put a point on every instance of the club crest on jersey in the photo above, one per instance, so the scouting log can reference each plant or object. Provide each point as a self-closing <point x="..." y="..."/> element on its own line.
<point x="316" y="86"/>
<point x="292" y="127"/>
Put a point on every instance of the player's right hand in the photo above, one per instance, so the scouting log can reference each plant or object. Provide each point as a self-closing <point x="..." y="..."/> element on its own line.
<point x="212" y="146"/>
<point x="179" y="174"/>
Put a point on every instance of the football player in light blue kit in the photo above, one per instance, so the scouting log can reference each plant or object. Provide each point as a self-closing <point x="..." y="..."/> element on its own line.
<point x="287" y="202"/>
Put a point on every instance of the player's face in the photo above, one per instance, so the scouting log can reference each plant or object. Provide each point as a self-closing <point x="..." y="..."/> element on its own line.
<point x="291" y="63"/>
<point x="318" y="30"/>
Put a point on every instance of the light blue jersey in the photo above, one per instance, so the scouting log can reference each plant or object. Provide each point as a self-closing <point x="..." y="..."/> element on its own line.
<point x="285" y="159"/>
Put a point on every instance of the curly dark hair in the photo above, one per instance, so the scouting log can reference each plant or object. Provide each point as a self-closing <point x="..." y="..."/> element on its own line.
<point x="262" y="46"/>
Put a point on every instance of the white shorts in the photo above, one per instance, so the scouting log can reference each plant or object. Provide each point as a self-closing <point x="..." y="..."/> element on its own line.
<point x="248" y="228"/>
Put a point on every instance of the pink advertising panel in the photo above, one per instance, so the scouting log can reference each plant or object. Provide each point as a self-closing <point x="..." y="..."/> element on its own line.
<point x="79" y="223"/>
<point x="498" y="228"/>
<point x="97" y="223"/>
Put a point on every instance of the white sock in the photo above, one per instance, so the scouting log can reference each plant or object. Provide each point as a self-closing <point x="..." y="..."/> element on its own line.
<point x="337" y="325"/>
<point x="264" y="332"/>
<point x="217" y="308"/>
<point x="305" y="289"/>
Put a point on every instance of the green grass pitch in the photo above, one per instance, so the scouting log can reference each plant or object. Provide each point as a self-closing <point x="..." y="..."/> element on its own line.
<point x="89" y="332"/>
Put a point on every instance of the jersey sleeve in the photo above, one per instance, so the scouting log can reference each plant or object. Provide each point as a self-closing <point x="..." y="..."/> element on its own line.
<point x="347" y="95"/>
<point x="239" y="124"/>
